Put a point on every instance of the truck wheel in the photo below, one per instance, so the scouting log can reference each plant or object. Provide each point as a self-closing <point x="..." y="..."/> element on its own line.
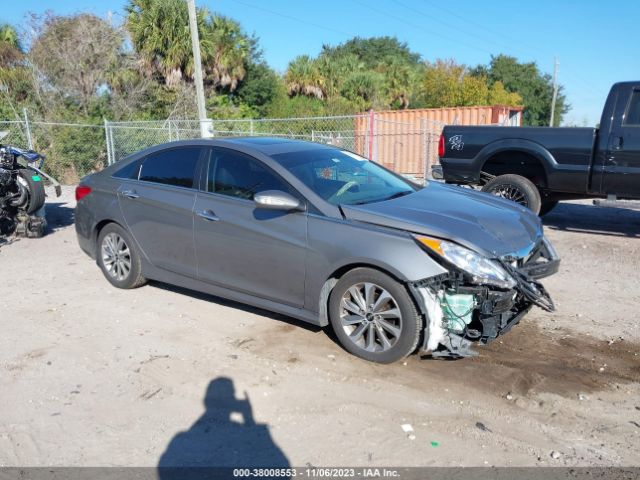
<point x="32" y="183"/>
<point x="373" y="316"/>
<point x="515" y="188"/>
<point x="547" y="206"/>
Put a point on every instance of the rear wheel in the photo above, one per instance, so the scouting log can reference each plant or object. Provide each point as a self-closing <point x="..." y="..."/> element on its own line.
<point x="515" y="188"/>
<point x="118" y="258"/>
<point x="373" y="316"/>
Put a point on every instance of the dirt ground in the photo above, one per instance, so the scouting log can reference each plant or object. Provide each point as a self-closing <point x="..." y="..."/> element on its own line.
<point x="94" y="376"/>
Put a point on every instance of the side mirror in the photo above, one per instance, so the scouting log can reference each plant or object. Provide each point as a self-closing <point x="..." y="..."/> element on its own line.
<point x="276" y="200"/>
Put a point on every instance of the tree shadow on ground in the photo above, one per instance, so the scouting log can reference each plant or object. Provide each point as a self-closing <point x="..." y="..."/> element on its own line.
<point x="226" y="435"/>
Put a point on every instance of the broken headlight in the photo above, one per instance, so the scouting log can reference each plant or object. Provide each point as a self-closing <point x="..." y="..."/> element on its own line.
<point x="481" y="269"/>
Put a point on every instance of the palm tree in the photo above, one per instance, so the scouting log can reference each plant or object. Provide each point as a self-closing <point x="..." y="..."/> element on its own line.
<point x="231" y="49"/>
<point x="400" y="77"/>
<point x="363" y="88"/>
<point x="160" y="33"/>
<point x="336" y="68"/>
<point x="303" y="77"/>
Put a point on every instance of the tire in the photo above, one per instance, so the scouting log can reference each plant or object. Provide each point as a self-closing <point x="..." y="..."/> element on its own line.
<point x="515" y="188"/>
<point x="124" y="271"/>
<point x="547" y="206"/>
<point x="361" y="333"/>
<point x="35" y="191"/>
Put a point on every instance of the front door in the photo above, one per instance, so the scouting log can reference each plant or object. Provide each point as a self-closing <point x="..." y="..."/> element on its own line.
<point x="622" y="173"/>
<point x="158" y="208"/>
<point x="238" y="246"/>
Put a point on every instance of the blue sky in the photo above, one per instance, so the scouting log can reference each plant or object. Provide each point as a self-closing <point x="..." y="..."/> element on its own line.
<point x="595" y="41"/>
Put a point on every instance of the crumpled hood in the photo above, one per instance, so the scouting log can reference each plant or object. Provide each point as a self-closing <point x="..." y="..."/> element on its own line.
<point x="489" y="225"/>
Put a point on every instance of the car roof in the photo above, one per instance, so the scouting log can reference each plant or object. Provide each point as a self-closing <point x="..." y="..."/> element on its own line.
<point x="266" y="145"/>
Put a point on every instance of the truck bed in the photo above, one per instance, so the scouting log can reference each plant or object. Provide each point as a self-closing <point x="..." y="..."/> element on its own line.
<point x="568" y="152"/>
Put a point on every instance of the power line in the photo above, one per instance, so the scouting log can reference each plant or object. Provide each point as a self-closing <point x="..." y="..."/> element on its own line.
<point x="480" y="25"/>
<point x="418" y="27"/>
<point x="528" y="49"/>
<point x="441" y="22"/>
<point x="291" y="17"/>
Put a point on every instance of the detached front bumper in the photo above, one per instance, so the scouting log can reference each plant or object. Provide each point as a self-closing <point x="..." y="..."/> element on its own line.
<point x="542" y="261"/>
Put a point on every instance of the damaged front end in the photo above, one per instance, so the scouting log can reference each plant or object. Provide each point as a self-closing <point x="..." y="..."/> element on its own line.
<point x="461" y="309"/>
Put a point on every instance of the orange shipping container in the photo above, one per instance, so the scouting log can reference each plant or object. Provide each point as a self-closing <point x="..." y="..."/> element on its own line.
<point x="406" y="141"/>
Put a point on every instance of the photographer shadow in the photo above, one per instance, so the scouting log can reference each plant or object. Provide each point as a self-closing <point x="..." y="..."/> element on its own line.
<point x="226" y="435"/>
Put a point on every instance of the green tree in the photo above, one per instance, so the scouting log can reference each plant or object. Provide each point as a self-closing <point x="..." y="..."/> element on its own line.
<point x="259" y="88"/>
<point x="364" y="89"/>
<point x="374" y="51"/>
<point x="535" y="88"/>
<point x="75" y="54"/>
<point x="446" y="83"/>
<point x="227" y="66"/>
<point x="160" y="34"/>
<point x="400" y="78"/>
<point x="11" y="52"/>
<point x="303" y="77"/>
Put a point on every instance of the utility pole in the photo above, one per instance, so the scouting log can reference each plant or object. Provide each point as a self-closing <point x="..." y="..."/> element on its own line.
<point x="555" y="91"/>
<point x="205" y="123"/>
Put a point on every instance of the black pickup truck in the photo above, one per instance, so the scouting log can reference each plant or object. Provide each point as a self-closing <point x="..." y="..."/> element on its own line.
<point x="539" y="166"/>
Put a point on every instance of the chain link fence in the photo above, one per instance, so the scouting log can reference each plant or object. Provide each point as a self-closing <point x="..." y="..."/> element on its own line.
<point x="407" y="148"/>
<point x="71" y="149"/>
<point x="75" y="149"/>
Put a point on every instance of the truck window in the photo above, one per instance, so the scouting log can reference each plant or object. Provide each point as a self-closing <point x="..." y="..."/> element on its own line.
<point x="633" y="112"/>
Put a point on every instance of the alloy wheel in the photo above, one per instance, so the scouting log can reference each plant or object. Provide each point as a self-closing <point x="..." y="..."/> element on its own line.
<point x="511" y="192"/>
<point x="116" y="256"/>
<point x="370" y="317"/>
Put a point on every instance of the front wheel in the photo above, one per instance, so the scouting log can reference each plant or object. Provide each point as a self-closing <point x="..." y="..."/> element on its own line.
<point x="517" y="189"/>
<point x="373" y="316"/>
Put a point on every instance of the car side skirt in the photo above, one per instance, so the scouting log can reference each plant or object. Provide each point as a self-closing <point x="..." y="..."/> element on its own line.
<point x="164" y="276"/>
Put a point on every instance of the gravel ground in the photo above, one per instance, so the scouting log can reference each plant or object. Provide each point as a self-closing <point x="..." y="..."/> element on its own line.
<point x="92" y="375"/>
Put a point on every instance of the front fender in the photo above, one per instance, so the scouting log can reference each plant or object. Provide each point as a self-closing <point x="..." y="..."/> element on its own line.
<point x="336" y="244"/>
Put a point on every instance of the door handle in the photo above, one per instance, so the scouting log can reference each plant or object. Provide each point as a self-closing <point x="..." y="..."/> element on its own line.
<point x="130" y="194"/>
<point x="617" y="143"/>
<point x="208" y="215"/>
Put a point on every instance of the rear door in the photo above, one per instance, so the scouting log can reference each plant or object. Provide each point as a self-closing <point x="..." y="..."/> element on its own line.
<point x="158" y="207"/>
<point x="622" y="172"/>
<point x="255" y="251"/>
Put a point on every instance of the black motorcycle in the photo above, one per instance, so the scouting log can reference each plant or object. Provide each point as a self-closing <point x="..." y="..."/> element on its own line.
<point x="22" y="193"/>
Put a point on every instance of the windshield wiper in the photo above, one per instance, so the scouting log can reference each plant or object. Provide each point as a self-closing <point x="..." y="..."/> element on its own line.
<point x="396" y="195"/>
<point x="390" y="197"/>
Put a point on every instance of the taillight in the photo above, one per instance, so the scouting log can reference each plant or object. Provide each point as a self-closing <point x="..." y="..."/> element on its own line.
<point x="82" y="191"/>
<point x="441" y="146"/>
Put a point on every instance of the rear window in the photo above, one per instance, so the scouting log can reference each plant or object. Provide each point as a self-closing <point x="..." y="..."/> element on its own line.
<point x="129" y="171"/>
<point x="174" y="167"/>
<point x="633" y="112"/>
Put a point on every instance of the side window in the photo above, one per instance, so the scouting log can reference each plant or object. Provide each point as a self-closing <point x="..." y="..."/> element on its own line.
<point x="238" y="175"/>
<point x="129" y="171"/>
<point x="633" y="112"/>
<point x="175" y="167"/>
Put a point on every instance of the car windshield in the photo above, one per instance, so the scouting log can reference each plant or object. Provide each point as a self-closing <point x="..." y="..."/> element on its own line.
<point x="344" y="178"/>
